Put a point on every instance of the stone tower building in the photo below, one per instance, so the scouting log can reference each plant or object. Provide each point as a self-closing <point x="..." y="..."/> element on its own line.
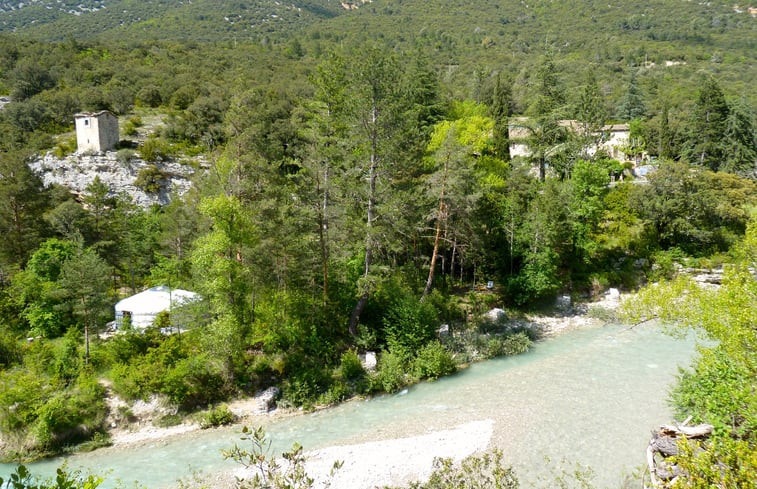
<point x="96" y="131"/>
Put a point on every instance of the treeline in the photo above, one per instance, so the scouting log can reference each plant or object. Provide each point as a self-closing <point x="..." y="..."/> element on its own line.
<point x="353" y="207"/>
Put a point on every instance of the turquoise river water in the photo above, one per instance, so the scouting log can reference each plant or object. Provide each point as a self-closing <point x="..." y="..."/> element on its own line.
<point x="586" y="397"/>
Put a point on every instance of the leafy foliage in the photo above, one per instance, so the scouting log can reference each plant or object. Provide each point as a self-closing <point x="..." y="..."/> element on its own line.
<point x="486" y="471"/>
<point x="268" y="472"/>
<point x="21" y="478"/>
<point x="350" y="164"/>
<point x="720" y="388"/>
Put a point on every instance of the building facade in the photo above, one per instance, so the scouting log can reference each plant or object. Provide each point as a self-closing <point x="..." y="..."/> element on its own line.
<point x="96" y="131"/>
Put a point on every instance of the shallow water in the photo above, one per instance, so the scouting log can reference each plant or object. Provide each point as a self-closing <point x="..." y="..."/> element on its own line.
<point x="589" y="397"/>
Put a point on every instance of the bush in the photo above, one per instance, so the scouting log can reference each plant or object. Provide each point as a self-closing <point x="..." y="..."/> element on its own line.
<point x="69" y="416"/>
<point x="216" y="416"/>
<point x="391" y="375"/>
<point x="350" y="368"/>
<point x="664" y="264"/>
<point x="337" y="392"/>
<point x="433" y="361"/>
<point x="195" y="381"/>
<point x="409" y="324"/>
<point x="154" y="149"/>
<point x="480" y="471"/>
<point x="304" y="387"/>
<point x="149" y="96"/>
<point x="168" y="420"/>
<point x="65" y="147"/>
<point x="22" y="478"/>
<point x="150" y="179"/>
<point x="10" y="350"/>
<point x="125" y="156"/>
<point x="718" y="390"/>
<point x="507" y="345"/>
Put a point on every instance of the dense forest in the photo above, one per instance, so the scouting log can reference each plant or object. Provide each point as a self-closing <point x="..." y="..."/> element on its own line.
<point x="355" y="190"/>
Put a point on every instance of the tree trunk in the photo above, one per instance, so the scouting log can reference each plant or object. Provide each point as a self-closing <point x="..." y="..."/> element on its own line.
<point x="432" y="267"/>
<point x="323" y="225"/>
<point x="86" y="343"/>
<point x="370" y="218"/>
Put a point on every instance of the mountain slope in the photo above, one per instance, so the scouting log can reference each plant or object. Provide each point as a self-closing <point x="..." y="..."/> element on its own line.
<point x="197" y="20"/>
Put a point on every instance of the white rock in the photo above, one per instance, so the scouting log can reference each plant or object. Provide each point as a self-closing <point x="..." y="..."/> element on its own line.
<point x="495" y="314"/>
<point x="79" y="170"/>
<point x="368" y="360"/>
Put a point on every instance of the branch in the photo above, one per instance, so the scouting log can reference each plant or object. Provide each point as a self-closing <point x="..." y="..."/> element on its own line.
<point x="641" y="322"/>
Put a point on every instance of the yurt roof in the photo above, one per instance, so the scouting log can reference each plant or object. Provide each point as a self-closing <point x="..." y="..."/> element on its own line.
<point x="155" y="300"/>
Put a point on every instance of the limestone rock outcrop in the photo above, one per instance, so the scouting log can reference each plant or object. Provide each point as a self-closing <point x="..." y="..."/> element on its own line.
<point x="77" y="171"/>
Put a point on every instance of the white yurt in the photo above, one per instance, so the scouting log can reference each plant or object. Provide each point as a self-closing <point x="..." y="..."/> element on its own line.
<point x="142" y="308"/>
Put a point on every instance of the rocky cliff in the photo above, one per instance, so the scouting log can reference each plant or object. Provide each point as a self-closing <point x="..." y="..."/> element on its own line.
<point x="77" y="171"/>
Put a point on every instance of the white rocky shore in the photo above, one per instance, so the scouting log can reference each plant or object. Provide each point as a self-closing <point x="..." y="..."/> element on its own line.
<point x="388" y="462"/>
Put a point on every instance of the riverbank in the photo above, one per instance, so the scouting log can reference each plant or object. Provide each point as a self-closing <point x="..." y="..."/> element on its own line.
<point x="594" y="386"/>
<point x="254" y="411"/>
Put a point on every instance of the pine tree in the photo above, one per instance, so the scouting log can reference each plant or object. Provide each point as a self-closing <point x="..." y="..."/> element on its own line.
<point x="631" y="105"/>
<point x="22" y="202"/>
<point x="707" y="127"/>
<point x="501" y="110"/>
<point x="741" y="140"/>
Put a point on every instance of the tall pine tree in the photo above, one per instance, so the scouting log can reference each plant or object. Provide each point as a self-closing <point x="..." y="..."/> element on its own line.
<point x="707" y="127"/>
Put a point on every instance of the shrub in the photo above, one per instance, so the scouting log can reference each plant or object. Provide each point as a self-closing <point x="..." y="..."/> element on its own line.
<point x="125" y="156"/>
<point x="217" y="416"/>
<point x="65" y="147"/>
<point x="10" y="350"/>
<point x="337" y="392"/>
<point x="70" y="415"/>
<point x="507" y="345"/>
<point x="516" y="344"/>
<point x="488" y="325"/>
<point x="391" y="374"/>
<point x="366" y="338"/>
<point x="664" y="264"/>
<point x="22" y="478"/>
<point x="433" y="361"/>
<point x="409" y="324"/>
<point x="149" y="96"/>
<point x="196" y="381"/>
<point x="154" y="149"/>
<point x="480" y="471"/>
<point x="131" y="125"/>
<point x="718" y="390"/>
<point x="168" y="420"/>
<point x="350" y="368"/>
<point x="305" y="386"/>
<point x="150" y="179"/>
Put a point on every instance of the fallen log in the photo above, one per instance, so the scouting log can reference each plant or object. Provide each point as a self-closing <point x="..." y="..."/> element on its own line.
<point x="698" y="431"/>
<point x="665" y="443"/>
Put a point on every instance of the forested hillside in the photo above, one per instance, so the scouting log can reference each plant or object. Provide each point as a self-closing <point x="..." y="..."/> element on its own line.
<point x="359" y="189"/>
<point x="199" y="20"/>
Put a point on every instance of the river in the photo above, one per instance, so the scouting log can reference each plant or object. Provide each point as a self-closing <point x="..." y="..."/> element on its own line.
<point x="587" y="397"/>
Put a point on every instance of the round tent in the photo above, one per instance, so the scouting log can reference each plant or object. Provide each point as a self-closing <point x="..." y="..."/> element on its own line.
<point x="142" y="308"/>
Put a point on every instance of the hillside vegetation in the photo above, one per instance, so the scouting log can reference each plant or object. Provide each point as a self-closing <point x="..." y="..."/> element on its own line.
<point x="359" y="189"/>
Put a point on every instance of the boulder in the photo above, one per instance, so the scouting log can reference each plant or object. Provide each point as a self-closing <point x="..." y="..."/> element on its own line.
<point x="267" y="399"/>
<point x="564" y="303"/>
<point x="368" y="360"/>
<point x="495" y="315"/>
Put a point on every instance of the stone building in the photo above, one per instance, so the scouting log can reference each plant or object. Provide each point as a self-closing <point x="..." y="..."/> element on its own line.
<point x="96" y="131"/>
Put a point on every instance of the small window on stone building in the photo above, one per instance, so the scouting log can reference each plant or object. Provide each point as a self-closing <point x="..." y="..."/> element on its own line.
<point x="86" y="122"/>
